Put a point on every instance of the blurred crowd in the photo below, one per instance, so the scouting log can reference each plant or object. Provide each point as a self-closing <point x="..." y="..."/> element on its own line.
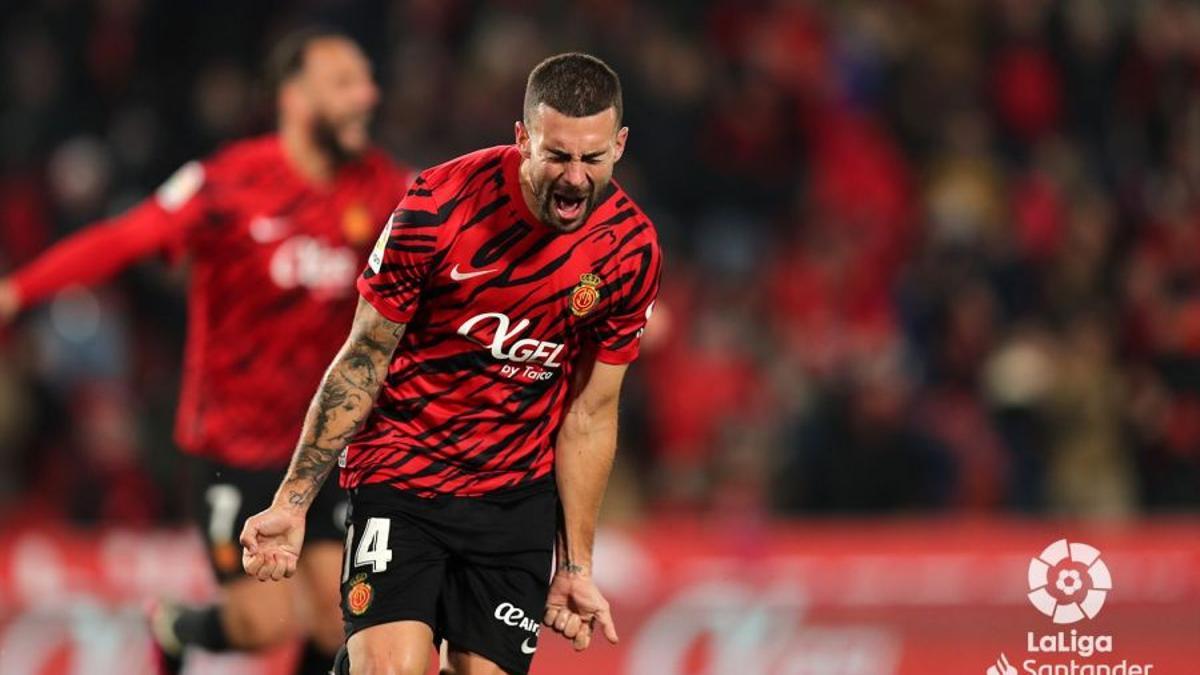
<point x="929" y="255"/>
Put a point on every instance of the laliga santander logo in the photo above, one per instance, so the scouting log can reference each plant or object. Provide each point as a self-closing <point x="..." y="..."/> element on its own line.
<point x="1068" y="581"/>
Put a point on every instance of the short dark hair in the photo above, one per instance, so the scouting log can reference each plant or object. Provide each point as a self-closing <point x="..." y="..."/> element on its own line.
<point x="286" y="59"/>
<point x="574" y="84"/>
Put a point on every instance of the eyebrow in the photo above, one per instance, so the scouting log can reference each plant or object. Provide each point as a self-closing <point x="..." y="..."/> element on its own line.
<point x="585" y="156"/>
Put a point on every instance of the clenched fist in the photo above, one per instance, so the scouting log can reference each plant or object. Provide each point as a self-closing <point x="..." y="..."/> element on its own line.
<point x="271" y="542"/>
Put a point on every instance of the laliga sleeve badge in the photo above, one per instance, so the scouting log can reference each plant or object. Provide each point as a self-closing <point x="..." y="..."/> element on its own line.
<point x="375" y="261"/>
<point x="586" y="294"/>
<point x="181" y="186"/>
<point x="360" y="595"/>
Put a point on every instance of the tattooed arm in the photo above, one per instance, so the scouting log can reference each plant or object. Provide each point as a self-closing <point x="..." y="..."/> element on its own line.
<point x="343" y="401"/>
<point x="272" y="539"/>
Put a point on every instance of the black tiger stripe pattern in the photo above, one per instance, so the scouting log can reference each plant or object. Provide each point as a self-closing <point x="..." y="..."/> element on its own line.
<point x="500" y="310"/>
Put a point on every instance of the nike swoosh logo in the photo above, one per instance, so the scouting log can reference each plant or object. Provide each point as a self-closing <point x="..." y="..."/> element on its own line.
<point x="265" y="229"/>
<point x="462" y="276"/>
<point x="526" y="649"/>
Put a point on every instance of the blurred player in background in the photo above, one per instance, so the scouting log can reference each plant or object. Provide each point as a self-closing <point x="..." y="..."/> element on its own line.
<point x="276" y="230"/>
<point x="499" y="312"/>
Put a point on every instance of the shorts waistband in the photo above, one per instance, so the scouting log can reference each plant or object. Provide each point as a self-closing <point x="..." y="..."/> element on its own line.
<point x="377" y="492"/>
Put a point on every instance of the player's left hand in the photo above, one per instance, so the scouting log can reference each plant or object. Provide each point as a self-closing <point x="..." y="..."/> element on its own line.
<point x="574" y="606"/>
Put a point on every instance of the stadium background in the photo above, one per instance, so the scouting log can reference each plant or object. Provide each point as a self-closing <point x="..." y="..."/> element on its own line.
<point x="932" y="302"/>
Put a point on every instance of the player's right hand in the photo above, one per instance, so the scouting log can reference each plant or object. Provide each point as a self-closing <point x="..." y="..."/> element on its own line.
<point x="271" y="542"/>
<point x="9" y="302"/>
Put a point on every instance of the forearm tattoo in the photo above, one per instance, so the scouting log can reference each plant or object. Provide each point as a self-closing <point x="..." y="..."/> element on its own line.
<point x="341" y="406"/>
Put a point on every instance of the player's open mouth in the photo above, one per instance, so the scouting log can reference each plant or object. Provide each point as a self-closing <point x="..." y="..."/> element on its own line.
<point x="567" y="208"/>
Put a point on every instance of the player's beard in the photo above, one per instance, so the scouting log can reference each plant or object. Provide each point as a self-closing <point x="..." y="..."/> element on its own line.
<point x="550" y="217"/>
<point x="325" y="133"/>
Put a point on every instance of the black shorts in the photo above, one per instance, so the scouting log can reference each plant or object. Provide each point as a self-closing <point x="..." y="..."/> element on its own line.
<point x="224" y="497"/>
<point x="475" y="569"/>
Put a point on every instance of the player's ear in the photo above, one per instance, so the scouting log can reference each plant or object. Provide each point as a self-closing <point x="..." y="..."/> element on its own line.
<point x="291" y="99"/>
<point x="619" y="145"/>
<point x="522" y="134"/>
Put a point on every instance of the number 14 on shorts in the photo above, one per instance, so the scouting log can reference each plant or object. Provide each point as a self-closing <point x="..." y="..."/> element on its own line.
<point x="372" y="548"/>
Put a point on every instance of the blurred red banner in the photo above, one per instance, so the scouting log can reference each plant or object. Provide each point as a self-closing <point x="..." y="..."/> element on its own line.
<point x="852" y="597"/>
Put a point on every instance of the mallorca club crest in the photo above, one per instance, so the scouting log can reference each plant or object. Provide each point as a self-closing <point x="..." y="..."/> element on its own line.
<point x="356" y="224"/>
<point x="586" y="294"/>
<point x="360" y="595"/>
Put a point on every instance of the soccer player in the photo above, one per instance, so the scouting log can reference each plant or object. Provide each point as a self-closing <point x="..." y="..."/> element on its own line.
<point x="276" y="230"/>
<point x="500" y="309"/>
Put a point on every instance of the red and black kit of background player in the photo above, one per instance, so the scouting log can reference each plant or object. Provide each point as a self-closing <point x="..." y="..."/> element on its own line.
<point x="272" y="268"/>
<point x="274" y="230"/>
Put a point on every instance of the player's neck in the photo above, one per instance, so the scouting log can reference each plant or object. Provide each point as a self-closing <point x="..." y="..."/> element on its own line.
<point x="306" y="157"/>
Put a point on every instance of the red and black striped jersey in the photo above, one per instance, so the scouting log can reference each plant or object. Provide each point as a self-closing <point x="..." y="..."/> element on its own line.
<point x="273" y="258"/>
<point x="501" y="310"/>
<point x="273" y="261"/>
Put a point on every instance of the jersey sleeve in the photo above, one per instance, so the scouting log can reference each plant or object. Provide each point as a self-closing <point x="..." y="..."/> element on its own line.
<point x="402" y="260"/>
<point x="158" y="224"/>
<point x="619" y="335"/>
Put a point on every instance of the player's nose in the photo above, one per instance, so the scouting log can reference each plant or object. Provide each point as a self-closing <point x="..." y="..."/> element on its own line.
<point x="575" y="175"/>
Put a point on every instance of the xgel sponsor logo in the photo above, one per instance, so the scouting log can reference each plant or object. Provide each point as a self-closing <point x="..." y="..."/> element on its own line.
<point x="514" y="616"/>
<point x="307" y="262"/>
<point x="519" y="351"/>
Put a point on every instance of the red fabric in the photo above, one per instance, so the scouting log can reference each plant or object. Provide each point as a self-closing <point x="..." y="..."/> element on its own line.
<point x="1039" y="213"/>
<point x="273" y="265"/>
<point x="1027" y="89"/>
<point x="861" y="179"/>
<point x="831" y="300"/>
<point x="502" y="312"/>
<point x="24" y="219"/>
<point x="272" y="296"/>
<point x="696" y="394"/>
<point x="94" y="254"/>
<point x="789" y="42"/>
